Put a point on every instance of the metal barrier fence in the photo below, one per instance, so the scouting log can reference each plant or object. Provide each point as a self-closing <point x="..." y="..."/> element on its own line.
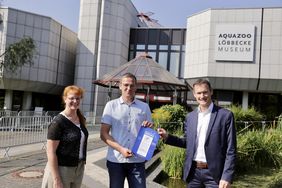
<point x="22" y="130"/>
<point x="4" y="113"/>
<point x="257" y="124"/>
<point x="8" y="113"/>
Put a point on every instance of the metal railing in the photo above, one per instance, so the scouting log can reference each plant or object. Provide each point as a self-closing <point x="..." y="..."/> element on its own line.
<point x="8" y="113"/>
<point x="17" y="130"/>
<point x="4" y="113"/>
<point x="22" y="130"/>
<point x="256" y="125"/>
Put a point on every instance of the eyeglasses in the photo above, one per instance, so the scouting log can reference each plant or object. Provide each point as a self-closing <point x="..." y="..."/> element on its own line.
<point x="74" y="98"/>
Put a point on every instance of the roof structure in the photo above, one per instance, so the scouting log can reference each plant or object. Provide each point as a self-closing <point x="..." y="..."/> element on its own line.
<point x="150" y="75"/>
<point x="145" y="17"/>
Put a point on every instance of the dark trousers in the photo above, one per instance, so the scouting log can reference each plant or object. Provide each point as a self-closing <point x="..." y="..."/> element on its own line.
<point x="134" y="172"/>
<point x="200" y="178"/>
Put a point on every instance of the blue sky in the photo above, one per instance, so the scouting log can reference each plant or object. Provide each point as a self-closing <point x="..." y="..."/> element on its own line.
<point x="169" y="13"/>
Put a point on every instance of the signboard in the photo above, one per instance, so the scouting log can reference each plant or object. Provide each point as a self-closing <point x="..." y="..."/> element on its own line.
<point x="234" y="42"/>
<point x="38" y="111"/>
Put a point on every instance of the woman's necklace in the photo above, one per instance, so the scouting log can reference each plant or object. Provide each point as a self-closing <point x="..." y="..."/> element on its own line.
<point x="73" y="118"/>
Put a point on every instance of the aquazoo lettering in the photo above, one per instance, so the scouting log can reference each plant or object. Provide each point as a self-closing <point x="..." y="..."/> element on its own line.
<point x="233" y="35"/>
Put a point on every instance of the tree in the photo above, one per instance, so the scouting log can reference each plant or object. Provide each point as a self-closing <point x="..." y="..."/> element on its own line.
<point x="18" y="54"/>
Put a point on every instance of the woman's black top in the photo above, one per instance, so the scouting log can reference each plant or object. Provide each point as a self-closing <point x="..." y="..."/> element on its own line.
<point x="69" y="135"/>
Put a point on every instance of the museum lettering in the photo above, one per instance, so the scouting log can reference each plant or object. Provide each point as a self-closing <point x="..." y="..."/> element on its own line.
<point x="234" y="49"/>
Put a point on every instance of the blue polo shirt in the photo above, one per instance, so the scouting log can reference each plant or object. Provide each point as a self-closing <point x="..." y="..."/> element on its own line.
<point x="125" y="121"/>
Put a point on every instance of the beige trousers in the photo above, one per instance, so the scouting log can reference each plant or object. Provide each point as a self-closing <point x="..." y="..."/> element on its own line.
<point x="71" y="176"/>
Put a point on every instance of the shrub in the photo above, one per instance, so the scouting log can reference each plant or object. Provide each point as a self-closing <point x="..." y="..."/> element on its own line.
<point x="160" y="115"/>
<point x="178" y="113"/>
<point x="248" y="115"/>
<point x="258" y="149"/>
<point x="169" y="117"/>
<point x="276" y="182"/>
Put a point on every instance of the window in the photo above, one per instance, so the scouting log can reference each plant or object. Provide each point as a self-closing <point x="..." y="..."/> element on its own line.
<point x="153" y="55"/>
<point x="139" y="53"/>
<point x="163" y="59"/>
<point x="164" y="37"/>
<point x="177" y="36"/>
<point x="175" y="47"/>
<point x="140" y="47"/>
<point x="163" y="47"/>
<point x="174" y="63"/>
<point x="153" y="36"/>
<point x="152" y="47"/>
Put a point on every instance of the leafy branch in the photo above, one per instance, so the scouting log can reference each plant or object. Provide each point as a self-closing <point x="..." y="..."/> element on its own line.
<point x="18" y="54"/>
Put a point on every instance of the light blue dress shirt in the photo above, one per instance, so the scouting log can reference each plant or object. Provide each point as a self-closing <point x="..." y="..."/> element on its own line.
<point x="125" y="121"/>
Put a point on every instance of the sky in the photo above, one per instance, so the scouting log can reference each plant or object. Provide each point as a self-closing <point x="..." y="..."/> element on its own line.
<point x="169" y="13"/>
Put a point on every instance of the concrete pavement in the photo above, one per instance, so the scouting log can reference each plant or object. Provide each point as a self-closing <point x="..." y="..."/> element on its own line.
<point x="26" y="165"/>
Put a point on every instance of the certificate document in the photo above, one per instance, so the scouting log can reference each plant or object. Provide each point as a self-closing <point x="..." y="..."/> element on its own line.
<point x="145" y="143"/>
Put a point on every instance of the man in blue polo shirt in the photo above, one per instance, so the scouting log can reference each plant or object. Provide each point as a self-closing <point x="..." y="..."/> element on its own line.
<point x="122" y="118"/>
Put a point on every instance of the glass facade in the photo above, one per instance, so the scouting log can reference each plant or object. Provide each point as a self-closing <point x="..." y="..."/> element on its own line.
<point x="165" y="46"/>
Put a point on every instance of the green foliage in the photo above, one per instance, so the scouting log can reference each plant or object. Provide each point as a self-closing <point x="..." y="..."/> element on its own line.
<point x="276" y="181"/>
<point x="173" y="159"/>
<point x="177" y="112"/>
<point x="18" y="54"/>
<point x="261" y="178"/>
<point x="258" y="149"/>
<point x="160" y="115"/>
<point x="249" y="115"/>
<point x="169" y="117"/>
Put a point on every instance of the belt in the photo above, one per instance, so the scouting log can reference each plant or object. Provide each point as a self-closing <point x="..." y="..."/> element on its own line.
<point x="200" y="165"/>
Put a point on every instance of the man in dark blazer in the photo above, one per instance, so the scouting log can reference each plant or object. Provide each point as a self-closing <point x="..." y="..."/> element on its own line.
<point x="210" y="142"/>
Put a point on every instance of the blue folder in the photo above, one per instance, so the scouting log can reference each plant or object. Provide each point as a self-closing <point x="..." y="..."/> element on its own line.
<point x="145" y="143"/>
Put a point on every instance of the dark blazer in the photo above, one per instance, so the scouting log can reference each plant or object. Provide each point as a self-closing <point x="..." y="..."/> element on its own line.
<point x="220" y="144"/>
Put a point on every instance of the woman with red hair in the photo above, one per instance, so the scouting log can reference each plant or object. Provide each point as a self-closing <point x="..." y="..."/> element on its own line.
<point x="66" y="142"/>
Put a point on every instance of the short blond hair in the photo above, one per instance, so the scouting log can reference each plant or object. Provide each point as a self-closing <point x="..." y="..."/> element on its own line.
<point x="129" y="75"/>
